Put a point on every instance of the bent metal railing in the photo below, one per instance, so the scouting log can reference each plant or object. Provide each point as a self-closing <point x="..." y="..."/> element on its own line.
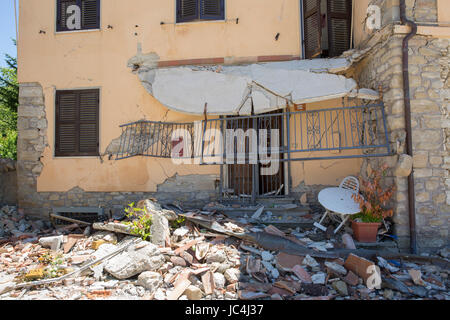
<point x="255" y="152"/>
<point x="334" y="133"/>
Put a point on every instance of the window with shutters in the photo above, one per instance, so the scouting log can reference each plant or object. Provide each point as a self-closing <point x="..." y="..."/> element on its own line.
<point x="326" y="27"/>
<point x="73" y="15"/>
<point x="77" y="127"/>
<point x="199" y="10"/>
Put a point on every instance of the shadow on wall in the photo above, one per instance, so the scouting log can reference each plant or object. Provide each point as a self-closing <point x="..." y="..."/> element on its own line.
<point x="8" y="182"/>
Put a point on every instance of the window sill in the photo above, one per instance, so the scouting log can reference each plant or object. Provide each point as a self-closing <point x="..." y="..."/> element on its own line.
<point x="77" y="31"/>
<point x="74" y="157"/>
<point x="199" y="22"/>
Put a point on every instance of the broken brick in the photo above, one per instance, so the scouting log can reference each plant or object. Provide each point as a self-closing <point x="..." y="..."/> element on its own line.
<point x="286" y="286"/>
<point x="286" y="261"/>
<point x="274" y="231"/>
<point x="359" y="266"/>
<point x="302" y="274"/>
<point x="208" y="283"/>
<point x="351" y="278"/>
<point x="282" y="292"/>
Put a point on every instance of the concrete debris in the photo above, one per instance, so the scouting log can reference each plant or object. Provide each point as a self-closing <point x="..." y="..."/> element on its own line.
<point x="337" y="268"/>
<point x="160" y="232"/>
<point x="266" y="256"/>
<point x="54" y="243"/>
<point x="193" y="293"/>
<point x="348" y="241"/>
<point x="319" y="278"/>
<point x="111" y="264"/>
<point x="150" y="280"/>
<point x="310" y="261"/>
<point x="340" y="287"/>
<point x="384" y="264"/>
<point x="219" y="280"/>
<point x="236" y="89"/>
<point x="135" y="261"/>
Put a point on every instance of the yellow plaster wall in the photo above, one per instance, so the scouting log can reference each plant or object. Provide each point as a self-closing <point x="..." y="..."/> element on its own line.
<point x="443" y="11"/>
<point x="99" y="59"/>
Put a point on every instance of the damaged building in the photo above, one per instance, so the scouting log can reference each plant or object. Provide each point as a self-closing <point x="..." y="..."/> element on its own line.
<point x="101" y="98"/>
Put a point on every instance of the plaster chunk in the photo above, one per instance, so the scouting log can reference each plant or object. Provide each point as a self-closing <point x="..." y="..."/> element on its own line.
<point x="231" y="90"/>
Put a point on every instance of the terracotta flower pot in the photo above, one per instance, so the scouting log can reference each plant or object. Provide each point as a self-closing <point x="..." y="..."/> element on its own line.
<point x="365" y="232"/>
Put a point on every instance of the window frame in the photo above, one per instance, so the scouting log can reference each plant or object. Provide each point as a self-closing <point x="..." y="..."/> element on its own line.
<point x="65" y="30"/>
<point x="304" y="35"/>
<point x="76" y="154"/>
<point x="199" y="18"/>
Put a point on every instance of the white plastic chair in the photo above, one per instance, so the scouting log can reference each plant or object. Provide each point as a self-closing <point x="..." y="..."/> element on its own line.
<point x="349" y="183"/>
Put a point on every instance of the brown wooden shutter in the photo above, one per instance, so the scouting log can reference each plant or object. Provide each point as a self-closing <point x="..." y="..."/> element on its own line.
<point x="90" y="14"/>
<point x="66" y="123"/>
<point x="339" y="26"/>
<point x="61" y="24"/>
<point x="88" y="113"/>
<point x="187" y="10"/>
<point x="77" y="123"/>
<point x="312" y="28"/>
<point x="212" y="9"/>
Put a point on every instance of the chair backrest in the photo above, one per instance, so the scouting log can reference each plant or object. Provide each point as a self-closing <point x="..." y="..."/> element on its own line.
<point x="350" y="183"/>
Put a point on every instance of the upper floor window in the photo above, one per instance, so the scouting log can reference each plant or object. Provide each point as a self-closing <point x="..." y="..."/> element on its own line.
<point x="327" y="27"/>
<point x="75" y="15"/>
<point x="198" y="10"/>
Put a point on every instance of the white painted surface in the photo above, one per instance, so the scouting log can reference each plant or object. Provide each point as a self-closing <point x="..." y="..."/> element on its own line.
<point x="230" y="90"/>
<point x="338" y="200"/>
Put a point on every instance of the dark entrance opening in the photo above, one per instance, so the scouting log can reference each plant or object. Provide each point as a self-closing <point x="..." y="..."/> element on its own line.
<point x="251" y="181"/>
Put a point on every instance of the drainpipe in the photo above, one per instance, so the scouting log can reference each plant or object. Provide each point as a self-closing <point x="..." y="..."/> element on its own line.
<point x="409" y="149"/>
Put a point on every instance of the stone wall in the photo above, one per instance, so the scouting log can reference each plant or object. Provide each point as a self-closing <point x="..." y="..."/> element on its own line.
<point x="429" y="81"/>
<point x="8" y="182"/>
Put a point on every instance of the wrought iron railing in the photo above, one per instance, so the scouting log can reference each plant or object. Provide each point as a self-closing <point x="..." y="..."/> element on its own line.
<point x="305" y="135"/>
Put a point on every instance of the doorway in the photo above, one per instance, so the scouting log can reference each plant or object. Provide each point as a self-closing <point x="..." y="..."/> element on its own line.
<point x="248" y="182"/>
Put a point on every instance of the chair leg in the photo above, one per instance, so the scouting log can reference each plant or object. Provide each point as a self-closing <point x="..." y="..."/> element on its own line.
<point x="319" y="225"/>
<point x="323" y="217"/>
<point x="342" y="223"/>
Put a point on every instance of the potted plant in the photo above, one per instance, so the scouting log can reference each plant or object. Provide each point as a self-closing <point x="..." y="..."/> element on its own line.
<point x="366" y="223"/>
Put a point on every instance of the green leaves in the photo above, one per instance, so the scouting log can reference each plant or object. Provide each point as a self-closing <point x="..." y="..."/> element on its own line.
<point x="141" y="221"/>
<point x="9" y="102"/>
<point x="8" y="145"/>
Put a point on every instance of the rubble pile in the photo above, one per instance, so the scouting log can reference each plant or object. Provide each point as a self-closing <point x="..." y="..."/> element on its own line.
<point x="200" y="256"/>
<point x="16" y="225"/>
